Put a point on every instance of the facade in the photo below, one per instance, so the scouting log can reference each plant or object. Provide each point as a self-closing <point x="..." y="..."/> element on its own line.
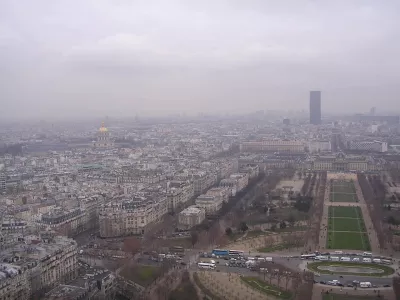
<point x="319" y="146"/>
<point x="28" y="270"/>
<point x="315" y="107"/>
<point x="191" y="216"/>
<point x="293" y="146"/>
<point x="219" y="192"/>
<point x="343" y="163"/>
<point x="2" y="182"/>
<point x="241" y="179"/>
<point x="202" y="181"/>
<point x="178" y="193"/>
<point x="370" y="146"/>
<point x="66" y="222"/>
<point x="210" y="204"/>
<point x="130" y="216"/>
<point x="252" y="170"/>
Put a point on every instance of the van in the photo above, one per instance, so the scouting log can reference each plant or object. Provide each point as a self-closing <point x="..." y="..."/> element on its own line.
<point x="334" y="258"/>
<point x="377" y="260"/>
<point x="345" y="258"/>
<point x="338" y="252"/>
<point x="367" y="254"/>
<point x="323" y="258"/>
<point x="366" y="260"/>
<point x="355" y="259"/>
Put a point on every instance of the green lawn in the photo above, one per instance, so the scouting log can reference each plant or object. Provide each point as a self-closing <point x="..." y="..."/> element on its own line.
<point x="346" y="224"/>
<point x="386" y="270"/>
<point x="345" y="212"/>
<point x="343" y="187"/>
<point x="266" y="288"/>
<point x="348" y="240"/>
<point x="346" y="229"/>
<point x="340" y="197"/>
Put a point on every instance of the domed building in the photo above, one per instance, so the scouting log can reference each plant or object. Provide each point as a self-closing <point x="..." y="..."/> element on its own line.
<point x="103" y="139"/>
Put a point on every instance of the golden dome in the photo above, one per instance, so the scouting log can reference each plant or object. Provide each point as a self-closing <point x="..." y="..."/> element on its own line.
<point x="103" y="128"/>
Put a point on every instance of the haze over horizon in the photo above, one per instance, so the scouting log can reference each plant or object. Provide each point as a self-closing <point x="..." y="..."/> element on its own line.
<point x="64" y="59"/>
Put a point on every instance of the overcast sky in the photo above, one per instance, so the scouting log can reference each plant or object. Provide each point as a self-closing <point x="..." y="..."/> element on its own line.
<point x="125" y="57"/>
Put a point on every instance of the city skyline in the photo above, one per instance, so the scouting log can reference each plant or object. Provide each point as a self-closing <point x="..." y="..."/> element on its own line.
<point x="125" y="58"/>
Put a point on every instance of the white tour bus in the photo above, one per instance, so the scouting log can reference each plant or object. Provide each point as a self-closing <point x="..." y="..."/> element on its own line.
<point x="365" y="284"/>
<point x="206" y="266"/>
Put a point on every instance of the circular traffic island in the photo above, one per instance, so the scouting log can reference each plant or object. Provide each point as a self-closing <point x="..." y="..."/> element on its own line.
<point x="350" y="268"/>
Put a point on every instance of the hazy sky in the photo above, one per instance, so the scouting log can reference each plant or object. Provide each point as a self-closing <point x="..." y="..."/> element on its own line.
<point x="63" y="58"/>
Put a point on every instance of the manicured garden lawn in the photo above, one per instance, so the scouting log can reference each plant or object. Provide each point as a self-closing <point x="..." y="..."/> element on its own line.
<point x="346" y="229"/>
<point x="346" y="224"/>
<point x="339" y="197"/>
<point x="345" y="212"/>
<point x="266" y="288"/>
<point x="348" y="240"/>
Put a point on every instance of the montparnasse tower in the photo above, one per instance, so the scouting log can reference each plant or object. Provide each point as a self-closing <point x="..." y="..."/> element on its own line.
<point x="103" y="138"/>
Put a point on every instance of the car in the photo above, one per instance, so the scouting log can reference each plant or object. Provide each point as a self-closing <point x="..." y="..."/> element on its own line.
<point x="183" y="263"/>
<point x="322" y="282"/>
<point x="340" y="284"/>
<point x="340" y="276"/>
<point x="349" y="285"/>
<point x="356" y="282"/>
<point x="386" y="285"/>
<point x="226" y="258"/>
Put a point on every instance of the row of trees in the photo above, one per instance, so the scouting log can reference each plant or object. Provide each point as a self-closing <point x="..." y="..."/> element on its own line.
<point x="371" y="190"/>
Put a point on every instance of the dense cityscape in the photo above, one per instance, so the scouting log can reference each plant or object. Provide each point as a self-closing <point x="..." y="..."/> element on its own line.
<point x="144" y="209"/>
<point x="199" y="150"/>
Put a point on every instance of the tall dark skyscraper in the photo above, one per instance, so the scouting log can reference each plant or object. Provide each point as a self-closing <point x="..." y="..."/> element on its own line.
<point x="315" y="107"/>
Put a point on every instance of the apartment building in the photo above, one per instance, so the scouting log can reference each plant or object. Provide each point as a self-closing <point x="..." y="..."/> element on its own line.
<point x="66" y="222"/>
<point x="3" y="187"/>
<point x="27" y="270"/>
<point x="242" y="180"/>
<point x="131" y="216"/>
<point x="178" y="193"/>
<point x="210" y="204"/>
<point x="221" y="193"/>
<point x="190" y="217"/>
<point x="252" y="170"/>
<point x="202" y="181"/>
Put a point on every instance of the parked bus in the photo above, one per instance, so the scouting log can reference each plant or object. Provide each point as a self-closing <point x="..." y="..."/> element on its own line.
<point x="236" y="252"/>
<point x="177" y="249"/>
<point x="220" y="252"/>
<point x="345" y="258"/>
<point x="365" y="284"/>
<point x="308" y="256"/>
<point x="206" y="266"/>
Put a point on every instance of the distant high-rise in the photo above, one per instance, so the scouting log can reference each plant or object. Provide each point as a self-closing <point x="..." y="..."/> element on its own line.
<point x="315" y="107"/>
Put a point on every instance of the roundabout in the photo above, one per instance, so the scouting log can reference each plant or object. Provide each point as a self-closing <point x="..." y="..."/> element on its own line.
<point x="348" y="268"/>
